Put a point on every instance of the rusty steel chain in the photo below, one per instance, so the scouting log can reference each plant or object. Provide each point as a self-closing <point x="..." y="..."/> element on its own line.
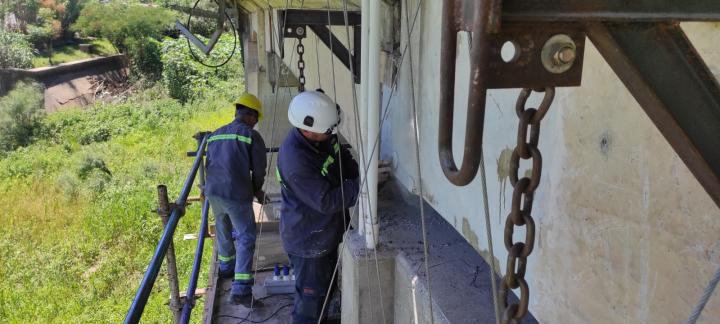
<point x="301" y="65"/>
<point x="521" y="207"/>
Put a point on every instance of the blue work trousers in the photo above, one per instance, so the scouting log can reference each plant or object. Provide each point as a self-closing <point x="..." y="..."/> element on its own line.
<point x="312" y="280"/>
<point x="230" y="214"/>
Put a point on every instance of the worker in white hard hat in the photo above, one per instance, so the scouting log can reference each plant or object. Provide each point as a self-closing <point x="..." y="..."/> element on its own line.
<point x="316" y="194"/>
<point x="236" y="165"/>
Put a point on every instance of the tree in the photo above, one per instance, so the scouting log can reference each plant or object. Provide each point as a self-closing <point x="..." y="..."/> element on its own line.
<point x="15" y="51"/>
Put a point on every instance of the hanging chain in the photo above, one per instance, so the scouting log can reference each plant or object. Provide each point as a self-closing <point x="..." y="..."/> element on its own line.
<point x="523" y="192"/>
<point x="301" y="65"/>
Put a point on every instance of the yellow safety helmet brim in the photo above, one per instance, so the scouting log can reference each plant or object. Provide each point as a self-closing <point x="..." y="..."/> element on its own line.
<point x="252" y="102"/>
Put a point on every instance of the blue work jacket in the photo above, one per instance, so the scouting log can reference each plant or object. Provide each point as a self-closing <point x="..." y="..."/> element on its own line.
<point x="311" y="221"/>
<point x="235" y="162"/>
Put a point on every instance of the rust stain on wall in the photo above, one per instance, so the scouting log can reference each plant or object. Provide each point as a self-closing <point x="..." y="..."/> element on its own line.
<point x="469" y="234"/>
<point x="503" y="173"/>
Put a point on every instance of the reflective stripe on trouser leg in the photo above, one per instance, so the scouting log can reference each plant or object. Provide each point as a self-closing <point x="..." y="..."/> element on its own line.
<point x="243" y="220"/>
<point x="223" y="236"/>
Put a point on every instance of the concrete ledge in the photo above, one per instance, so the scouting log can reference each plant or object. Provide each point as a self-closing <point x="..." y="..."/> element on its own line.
<point x="52" y="75"/>
<point x="367" y="286"/>
<point x="459" y="276"/>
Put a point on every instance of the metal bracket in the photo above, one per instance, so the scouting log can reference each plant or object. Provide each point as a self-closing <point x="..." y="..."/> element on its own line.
<point x="523" y="68"/>
<point x="298" y="21"/>
<point x="526" y="69"/>
<point x="675" y="88"/>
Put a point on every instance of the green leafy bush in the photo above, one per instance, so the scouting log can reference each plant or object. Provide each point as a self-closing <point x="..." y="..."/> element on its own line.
<point x="102" y="122"/>
<point x="118" y="22"/>
<point x="186" y="79"/>
<point x="21" y="113"/>
<point x="145" y="56"/>
<point x="15" y="51"/>
<point x="92" y="164"/>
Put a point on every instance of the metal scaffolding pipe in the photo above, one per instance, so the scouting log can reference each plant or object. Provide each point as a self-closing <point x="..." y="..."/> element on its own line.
<point x="373" y="120"/>
<point x="364" y="28"/>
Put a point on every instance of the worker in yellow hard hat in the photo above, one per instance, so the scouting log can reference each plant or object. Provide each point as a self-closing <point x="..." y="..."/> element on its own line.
<point x="235" y="174"/>
<point x="250" y="102"/>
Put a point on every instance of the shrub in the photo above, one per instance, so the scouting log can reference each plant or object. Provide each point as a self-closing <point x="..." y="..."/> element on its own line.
<point x="94" y="135"/>
<point x="90" y="164"/>
<point x="21" y="113"/>
<point x="118" y="22"/>
<point x="15" y="51"/>
<point x="145" y="56"/>
<point x="186" y="79"/>
<point x="69" y="185"/>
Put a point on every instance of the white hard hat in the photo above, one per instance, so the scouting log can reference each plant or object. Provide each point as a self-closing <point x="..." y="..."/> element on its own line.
<point x="313" y="111"/>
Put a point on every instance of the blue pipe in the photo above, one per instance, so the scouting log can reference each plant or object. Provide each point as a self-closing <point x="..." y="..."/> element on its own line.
<point x="141" y="297"/>
<point x="190" y="294"/>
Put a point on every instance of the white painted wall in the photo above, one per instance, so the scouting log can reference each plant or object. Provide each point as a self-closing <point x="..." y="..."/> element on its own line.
<point x="625" y="234"/>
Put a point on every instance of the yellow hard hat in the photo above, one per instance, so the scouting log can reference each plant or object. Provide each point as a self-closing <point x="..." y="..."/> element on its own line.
<point x="252" y="102"/>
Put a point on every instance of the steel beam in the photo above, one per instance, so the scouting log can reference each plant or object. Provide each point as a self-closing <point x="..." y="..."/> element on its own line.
<point x="611" y="10"/>
<point x="669" y="79"/>
<point x="338" y="49"/>
<point x="318" y="17"/>
<point x="296" y="22"/>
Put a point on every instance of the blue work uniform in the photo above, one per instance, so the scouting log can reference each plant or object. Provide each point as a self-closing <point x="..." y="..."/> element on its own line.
<point x="315" y="198"/>
<point x="235" y="171"/>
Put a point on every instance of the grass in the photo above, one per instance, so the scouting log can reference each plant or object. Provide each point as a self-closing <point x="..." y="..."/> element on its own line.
<point x="76" y="239"/>
<point x="70" y="53"/>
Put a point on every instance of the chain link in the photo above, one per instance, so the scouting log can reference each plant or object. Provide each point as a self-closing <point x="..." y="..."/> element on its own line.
<point x="522" y="200"/>
<point x="301" y="65"/>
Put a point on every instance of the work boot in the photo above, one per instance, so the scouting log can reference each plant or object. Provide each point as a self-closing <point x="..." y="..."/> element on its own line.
<point x="226" y="269"/>
<point x="246" y="300"/>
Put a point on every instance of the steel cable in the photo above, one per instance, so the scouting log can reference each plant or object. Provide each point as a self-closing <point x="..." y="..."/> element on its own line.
<point x="421" y="196"/>
<point x="704" y="298"/>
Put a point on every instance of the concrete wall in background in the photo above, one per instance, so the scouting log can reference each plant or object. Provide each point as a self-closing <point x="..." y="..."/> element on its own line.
<point x="625" y="232"/>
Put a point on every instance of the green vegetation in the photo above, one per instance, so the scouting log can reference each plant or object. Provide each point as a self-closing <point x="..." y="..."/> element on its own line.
<point x="187" y="79"/>
<point x="79" y="185"/>
<point x="80" y="232"/>
<point x="119" y="22"/>
<point x="70" y="53"/>
<point x="145" y="57"/>
<point x="15" y="51"/>
<point x="21" y="112"/>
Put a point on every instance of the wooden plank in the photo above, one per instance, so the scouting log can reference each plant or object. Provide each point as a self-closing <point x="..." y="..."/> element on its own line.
<point x="211" y="290"/>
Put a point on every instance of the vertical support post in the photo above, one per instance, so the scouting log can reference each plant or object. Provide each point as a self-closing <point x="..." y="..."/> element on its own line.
<point x="373" y="120"/>
<point x="364" y="28"/>
<point x="164" y="212"/>
<point x="201" y="171"/>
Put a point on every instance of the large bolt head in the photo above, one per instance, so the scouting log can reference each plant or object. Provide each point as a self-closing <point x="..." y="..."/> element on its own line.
<point x="558" y="54"/>
<point x="565" y="55"/>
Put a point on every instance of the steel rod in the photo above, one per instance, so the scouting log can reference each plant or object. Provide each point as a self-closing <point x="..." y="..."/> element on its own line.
<point x="190" y="294"/>
<point x="141" y="297"/>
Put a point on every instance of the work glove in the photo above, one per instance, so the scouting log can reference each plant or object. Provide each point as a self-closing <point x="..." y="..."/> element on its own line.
<point x="350" y="168"/>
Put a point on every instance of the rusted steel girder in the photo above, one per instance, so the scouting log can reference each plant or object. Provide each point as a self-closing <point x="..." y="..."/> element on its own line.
<point x="670" y="81"/>
<point x="611" y="10"/>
